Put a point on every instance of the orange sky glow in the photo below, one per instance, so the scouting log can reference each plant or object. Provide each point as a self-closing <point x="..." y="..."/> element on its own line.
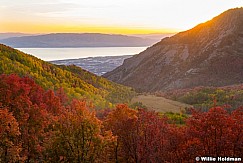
<point x="108" y="16"/>
<point x="62" y="28"/>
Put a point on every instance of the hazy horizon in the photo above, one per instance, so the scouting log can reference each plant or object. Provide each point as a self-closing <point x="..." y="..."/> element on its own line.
<point x="29" y="33"/>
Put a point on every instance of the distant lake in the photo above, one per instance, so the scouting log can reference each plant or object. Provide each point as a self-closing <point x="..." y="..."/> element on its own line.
<point x="50" y="54"/>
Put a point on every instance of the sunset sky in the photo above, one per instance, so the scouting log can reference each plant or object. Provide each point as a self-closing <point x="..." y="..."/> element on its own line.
<point x="108" y="16"/>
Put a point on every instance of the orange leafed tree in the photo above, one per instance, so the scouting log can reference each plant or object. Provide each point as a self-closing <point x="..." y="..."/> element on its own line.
<point x="9" y="132"/>
<point x="79" y="137"/>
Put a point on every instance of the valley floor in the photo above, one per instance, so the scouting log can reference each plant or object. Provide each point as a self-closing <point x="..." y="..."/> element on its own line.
<point x="160" y="104"/>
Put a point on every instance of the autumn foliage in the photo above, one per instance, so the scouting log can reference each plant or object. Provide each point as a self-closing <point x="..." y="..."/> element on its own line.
<point x="75" y="82"/>
<point x="38" y="125"/>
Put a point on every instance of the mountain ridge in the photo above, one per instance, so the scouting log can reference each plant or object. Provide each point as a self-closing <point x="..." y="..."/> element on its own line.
<point x="13" y="34"/>
<point x="72" y="40"/>
<point x="210" y="54"/>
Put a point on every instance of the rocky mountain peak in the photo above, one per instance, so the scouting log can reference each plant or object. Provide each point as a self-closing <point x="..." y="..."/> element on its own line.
<point x="210" y="54"/>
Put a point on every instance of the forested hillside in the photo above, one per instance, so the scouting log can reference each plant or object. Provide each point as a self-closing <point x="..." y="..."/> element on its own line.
<point x="203" y="98"/>
<point x="38" y="125"/>
<point x="76" y="82"/>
